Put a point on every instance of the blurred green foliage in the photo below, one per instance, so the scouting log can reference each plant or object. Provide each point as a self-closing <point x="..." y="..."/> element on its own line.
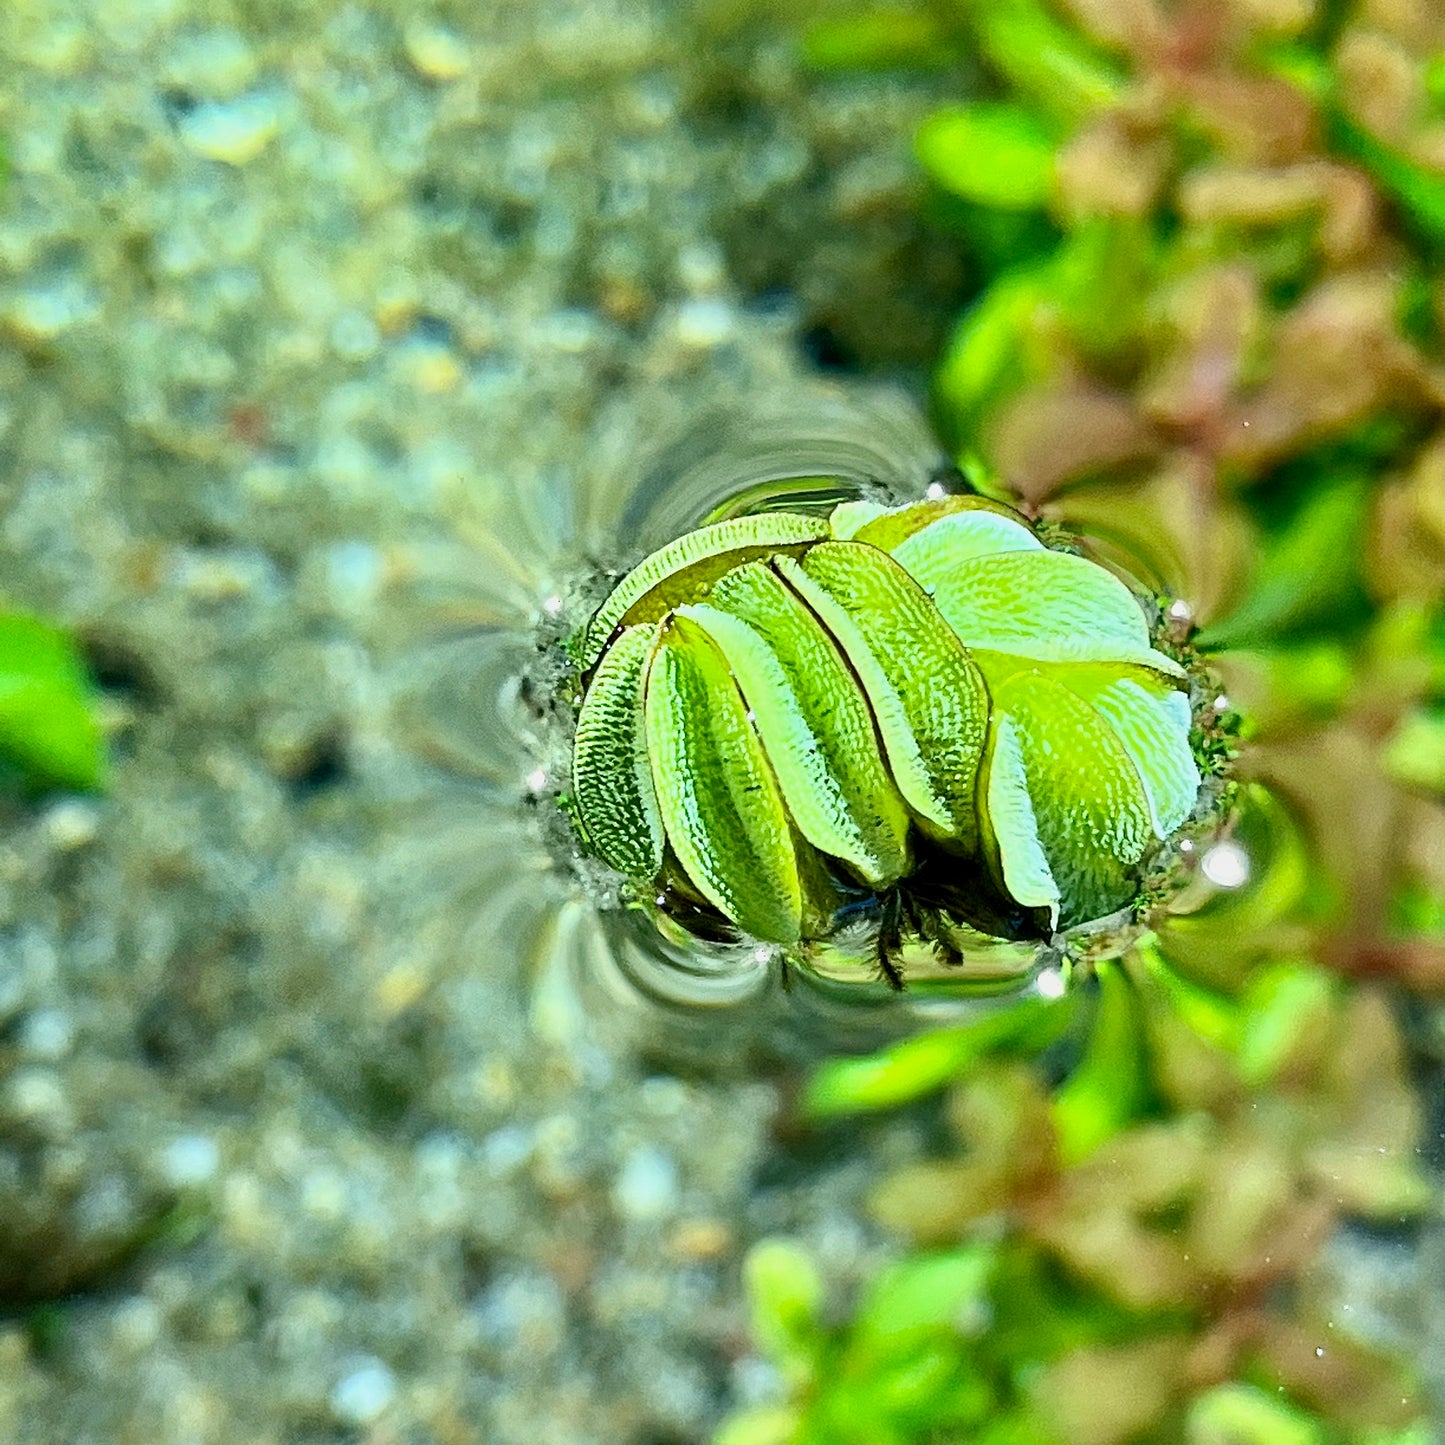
<point x="49" y="732"/>
<point x="1205" y="325"/>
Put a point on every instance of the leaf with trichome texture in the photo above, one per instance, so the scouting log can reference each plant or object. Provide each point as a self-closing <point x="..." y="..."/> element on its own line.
<point x="719" y="800"/>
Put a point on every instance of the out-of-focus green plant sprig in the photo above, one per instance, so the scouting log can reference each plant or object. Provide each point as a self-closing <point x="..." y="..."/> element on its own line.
<point x="50" y="735"/>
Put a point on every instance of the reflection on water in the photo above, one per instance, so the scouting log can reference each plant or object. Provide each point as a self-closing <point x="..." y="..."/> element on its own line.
<point x="493" y="704"/>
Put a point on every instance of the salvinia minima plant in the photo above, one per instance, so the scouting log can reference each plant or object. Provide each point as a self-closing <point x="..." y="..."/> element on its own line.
<point x="785" y="716"/>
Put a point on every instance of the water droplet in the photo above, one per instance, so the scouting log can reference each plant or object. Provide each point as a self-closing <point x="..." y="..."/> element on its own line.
<point x="1226" y="865"/>
<point x="1051" y="983"/>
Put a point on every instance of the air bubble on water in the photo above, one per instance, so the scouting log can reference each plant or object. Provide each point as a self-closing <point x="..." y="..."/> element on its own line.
<point x="935" y="491"/>
<point x="1050" y="983"/>
<point x="1180" y="610"/>
<point x="553" y="606"/>
<point x="536" y="780"/>
<point x="1226" y="865"/>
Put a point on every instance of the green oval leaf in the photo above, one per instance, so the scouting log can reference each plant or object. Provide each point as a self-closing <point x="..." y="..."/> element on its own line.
<point x="612" y="778"/>
<point x="1047" y="607"/>
<point x="814" y="724"/>
<point x="927" y="695"/>
<point x="1109" y="1088"/>
<point x="995" y="154"/>
<point x="685" y="571"/>
<point x="1090" y="813"/>
<point x="932" y="553"/>
<point x="1049" y="63"/>
<point x="48" y="727"/>
<point x="720" y="804"/>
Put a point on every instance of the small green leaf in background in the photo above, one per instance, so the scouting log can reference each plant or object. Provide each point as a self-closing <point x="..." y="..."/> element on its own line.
<point x="1110" y="1087"/>
<point x="994" y="154"/>
<point x="1284" y="1006"/>
<point x="925" y="1293"/>
<point x="882" y="40"/>
<point x="1052" y="66"/>
<point x="923" y="1065"/>
<point x="1415" y="753"/>
<point x="1308" y="571"/>
<point x="786" y="1293"/>
<point x="48" y="728"/>
<point x="1417" y="190"/>
<point x="1244" y="1415"/>
<point x="1211" y="1015"/>
<point x="1100" y="281"/>
<point x="988" y="356"/>
<point x="906" y="1366"/>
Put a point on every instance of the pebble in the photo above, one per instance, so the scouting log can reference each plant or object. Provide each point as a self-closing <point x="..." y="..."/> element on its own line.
<point x="364" y="1394"/>
<point x="216" y="64"/>
<point x="646" y="1188"/>
<point x="190" y="1161"/>
<point x="43" y="312"/>
<point x="36" y="1097"/>
<point x="504" y="1150"/>
<point x="354" y="574"/>
<point x="701" y="1240"/>
<point x="355" y="336"/>
<point x="46" y="1035"/>
<point x="436" y="52"/>
<point x="72" y="824"/>
<point x="136" y="1325"/>
<point x="705" y="322"/>
<point x="235" y="132"/>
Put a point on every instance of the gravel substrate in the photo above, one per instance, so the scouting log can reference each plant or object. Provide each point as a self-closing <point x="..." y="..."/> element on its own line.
<point x="321" y="329"/>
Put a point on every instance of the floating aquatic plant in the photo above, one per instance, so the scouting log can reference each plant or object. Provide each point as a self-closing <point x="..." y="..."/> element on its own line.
<point x="788" y="717"/>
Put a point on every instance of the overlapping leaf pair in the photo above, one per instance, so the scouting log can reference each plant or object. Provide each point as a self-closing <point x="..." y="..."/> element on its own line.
<point x="783" y="707"/>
